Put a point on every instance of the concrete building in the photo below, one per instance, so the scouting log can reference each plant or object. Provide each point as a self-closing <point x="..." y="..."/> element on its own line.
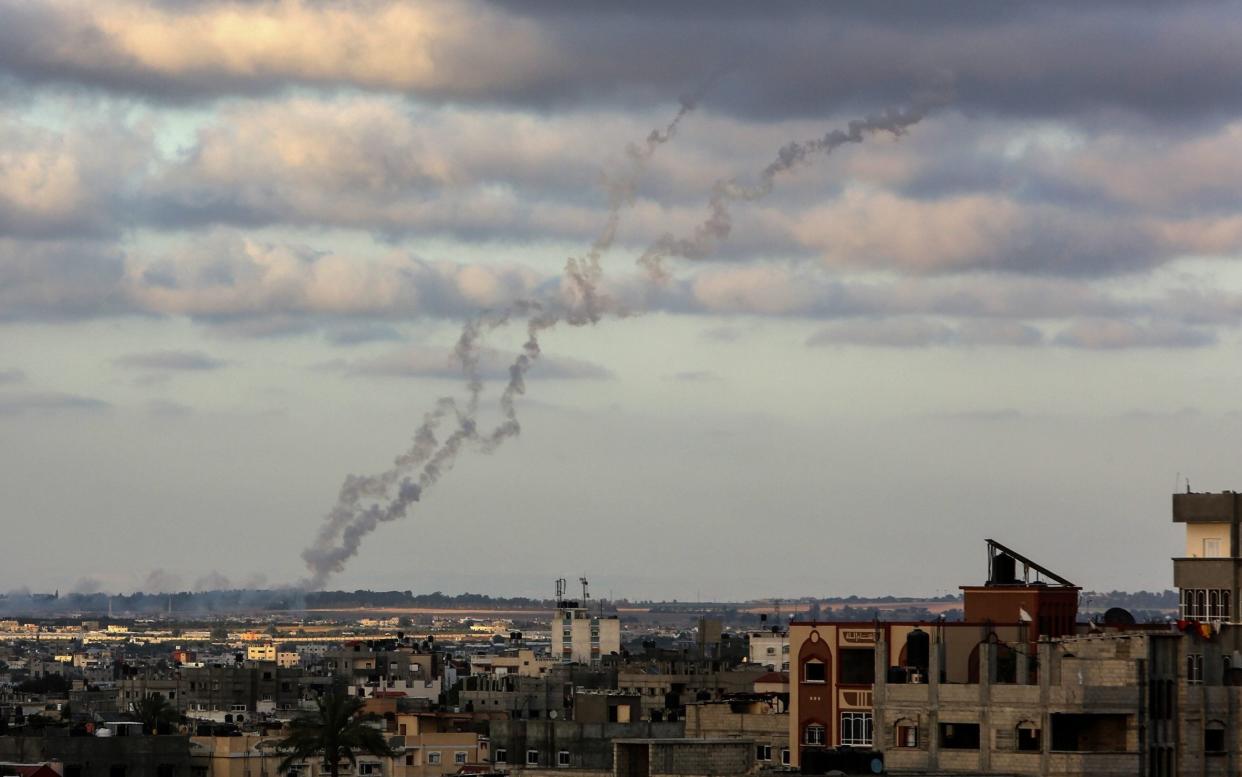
<point x="386" y="668"/>
<point x="567" y="744"/>
<point x="228" y="688"/>
<point x="264" y="651"/>
<point x="1207" y="576"/>
<point x="666" y="685"/>
<point x="252" y="755"/>
<point x="833" y="672"/>
<point x="684" y="758"/>
<point x="769" y="648"/>
<point x="580" y="637"/>
<point x="1105" y="704"/>
<point x="523" y="661"/>
<point x="755" y="718"/>
<point x="98" y="756"/>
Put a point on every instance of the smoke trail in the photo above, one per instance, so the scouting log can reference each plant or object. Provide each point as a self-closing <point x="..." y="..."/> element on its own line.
<point x="588" y="305"/>
<point x="348" y="522"/>
<point x="719" y="222"/>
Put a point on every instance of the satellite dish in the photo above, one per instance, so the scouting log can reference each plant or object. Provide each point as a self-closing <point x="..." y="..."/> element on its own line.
<point x="1118" y="616"/>
<point x="553" y="714"/>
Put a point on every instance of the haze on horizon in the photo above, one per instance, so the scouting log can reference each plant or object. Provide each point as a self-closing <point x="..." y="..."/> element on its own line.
<point x="238" y="241"/>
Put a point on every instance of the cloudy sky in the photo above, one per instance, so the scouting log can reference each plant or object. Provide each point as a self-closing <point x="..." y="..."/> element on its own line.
<point x="239" y="240"/>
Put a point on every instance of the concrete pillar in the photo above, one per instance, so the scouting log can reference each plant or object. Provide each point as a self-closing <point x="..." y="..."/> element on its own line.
<point x="935" y="663"/>
<point x="987" y="676"/>
<point x="1045" y="648"/>
<point x="879" y="729"/>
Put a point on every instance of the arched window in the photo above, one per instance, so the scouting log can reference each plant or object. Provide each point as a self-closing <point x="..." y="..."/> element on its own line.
<point x="815" y="734"/>
<point x="1027" y="736"/>
<point x="906" y="733"/>
<point x="814" y="671"/>
<point x="1214" y="737"/>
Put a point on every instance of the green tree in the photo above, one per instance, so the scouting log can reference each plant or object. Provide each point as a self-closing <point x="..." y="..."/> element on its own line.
<point x="338" y="729"/>
<point x="155" y="714"/>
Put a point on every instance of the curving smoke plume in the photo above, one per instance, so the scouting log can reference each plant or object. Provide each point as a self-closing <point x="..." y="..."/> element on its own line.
<point x="719" y="223"/>
<point x="364" y="502"/>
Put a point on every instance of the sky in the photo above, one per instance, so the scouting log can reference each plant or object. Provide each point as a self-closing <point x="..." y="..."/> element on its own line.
<point x="823" y="295"/>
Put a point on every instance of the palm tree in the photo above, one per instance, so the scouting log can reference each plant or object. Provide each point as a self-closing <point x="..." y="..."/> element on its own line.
<point x="155" y="713"/>
<point x="338" y="728"/>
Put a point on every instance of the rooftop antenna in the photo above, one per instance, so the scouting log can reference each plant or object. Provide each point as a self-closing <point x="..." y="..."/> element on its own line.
<point x="585" y="595"/>
<point x="560" y="590"/>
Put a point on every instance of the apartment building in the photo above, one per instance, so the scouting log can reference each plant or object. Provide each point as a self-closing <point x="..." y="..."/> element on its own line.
<point x="769" y="648"/>
<point x="582" y="637"/>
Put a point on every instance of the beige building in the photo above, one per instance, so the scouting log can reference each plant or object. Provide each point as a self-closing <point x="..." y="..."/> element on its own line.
<point x="524" y="662"/>
<point x="759" y="720"/>
<point x="582" y="638"/>
<point x="252" y="755"/>
<point x="265" y="651"/>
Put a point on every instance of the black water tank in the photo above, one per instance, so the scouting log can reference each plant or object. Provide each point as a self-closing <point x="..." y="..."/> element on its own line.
<point x="1118" y="616"/>
<point x="918" y="649"/>
<point x="1003" y="569"/>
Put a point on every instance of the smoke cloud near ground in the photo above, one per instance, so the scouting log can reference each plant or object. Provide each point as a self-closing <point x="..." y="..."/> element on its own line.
<point x="364" y="502"/>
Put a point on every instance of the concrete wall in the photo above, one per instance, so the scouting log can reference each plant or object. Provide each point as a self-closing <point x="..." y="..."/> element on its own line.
<point x="1196" y="533"/>
<point x="589" y="744"/>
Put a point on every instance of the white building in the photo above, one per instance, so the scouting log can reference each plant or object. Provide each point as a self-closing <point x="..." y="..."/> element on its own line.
<point x="770" y="649"/>
<point x="582" y="638"/>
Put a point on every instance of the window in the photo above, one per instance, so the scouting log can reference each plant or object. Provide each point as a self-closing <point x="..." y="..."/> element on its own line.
<point x="409" y="760"/>
<point x="1194" y="669"/>
<point x="959" y="736"/>
<point x="907" y="734"/>
<point x="1206" y="604"/>
<point x="1211" y="547"/>
<point x="814" y="734"/>
<point x="763" y="752"/>
<point x="502" y="756"/>
<point x="1089" y="732"/>
<point x="858" y="666"/>
<point x="856" y="728"/>
<point x="1214" y="738"/>
<point x="532" y="757"/>
<point x="784" y="756"/>
<point x="1028" y="737"/>
<point x="433" y="757"/>
<point x="814" y="672"/>
<point x="562" y="758"/>
<point x="459" y="757"/>
<point x="117" y="770"/>
<point x="364" y="768"/>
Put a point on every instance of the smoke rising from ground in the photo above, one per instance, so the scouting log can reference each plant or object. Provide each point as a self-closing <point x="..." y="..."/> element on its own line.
<point x="364" y="502"/>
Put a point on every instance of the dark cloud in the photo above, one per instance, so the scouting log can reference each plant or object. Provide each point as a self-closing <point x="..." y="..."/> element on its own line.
<point x="176" y="361"/>
<point x="905" y="332"/>
<point x="779" y="58"/>
<point x="888" y="333"/>
<point x="48" y="402"/>
<point x="427" y="362"/>
<point x="60" y="280"/>
<point x="361" y="334"/>
<point x="1105" y="335"/>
